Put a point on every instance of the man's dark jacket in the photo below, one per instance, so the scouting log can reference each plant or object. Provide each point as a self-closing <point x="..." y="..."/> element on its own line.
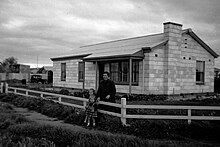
<point x="107" y="87"/>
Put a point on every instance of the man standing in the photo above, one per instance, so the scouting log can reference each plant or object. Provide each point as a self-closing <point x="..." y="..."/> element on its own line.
<point x="106" y="91"/>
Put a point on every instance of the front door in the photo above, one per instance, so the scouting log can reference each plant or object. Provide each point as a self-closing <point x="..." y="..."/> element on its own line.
<point x="50" y="77"/>
<point x="101" y="71"/>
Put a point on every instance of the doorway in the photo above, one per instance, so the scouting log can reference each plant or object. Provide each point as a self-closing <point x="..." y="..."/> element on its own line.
<point x="50" y="77"/>
<point x="101" y="71"/>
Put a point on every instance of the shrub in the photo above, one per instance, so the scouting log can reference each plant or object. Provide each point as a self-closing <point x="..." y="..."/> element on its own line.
<point x="6" y="124"/>
<point x="110" y="124"/>
<point x="85" y="94"/>
<point x="51" y="109"/>
<point x="63" y="137"/>
<point x="205" y="130"/>
<point x="64" y="91"/>
<point x="75" y="118"/>
<point x="142" y="97"/>
<point x="7" y="98"/>
<point x="66" y="111"/>
<point x="78" y="94"/>
<point x="7" y="140"/>
<point x="2" y="95"/>
<point x="5" y="107"/>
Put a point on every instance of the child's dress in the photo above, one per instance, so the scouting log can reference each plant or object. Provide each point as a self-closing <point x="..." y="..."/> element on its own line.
<point x="91" y="109"/>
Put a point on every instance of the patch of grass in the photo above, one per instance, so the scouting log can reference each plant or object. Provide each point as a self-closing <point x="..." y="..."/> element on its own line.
<point x="65" y="137"/>
<point x="8" y="116"/>
<point x="10" y="140"/>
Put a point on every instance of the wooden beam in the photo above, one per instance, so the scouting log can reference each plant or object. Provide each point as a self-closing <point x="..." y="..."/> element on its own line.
<point x="143" y="76"/>
<point x="84" y="75"/>
<point x="130" y="75"/>
<point x="96" y="76"/>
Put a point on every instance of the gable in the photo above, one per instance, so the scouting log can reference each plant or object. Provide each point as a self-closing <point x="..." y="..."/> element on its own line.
<point x="200" y="42"/>
<point x="190" y="48"/>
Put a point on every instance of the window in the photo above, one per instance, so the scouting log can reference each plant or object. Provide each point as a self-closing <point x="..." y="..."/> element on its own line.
<point x="119" y="72"/>
<point x="135" y="70"/>
<point x="81" y="70"/>
<point x="200" y="72"/>
<point x="114" y="71"/>
<point x="63" y="71"/>
<point x="124" y="72"/>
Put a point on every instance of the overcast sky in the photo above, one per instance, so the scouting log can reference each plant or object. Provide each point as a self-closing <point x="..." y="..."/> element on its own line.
<point x="41" y="29"/>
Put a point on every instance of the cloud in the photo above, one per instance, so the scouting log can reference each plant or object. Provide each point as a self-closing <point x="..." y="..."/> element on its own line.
<point x="50" y="28"/>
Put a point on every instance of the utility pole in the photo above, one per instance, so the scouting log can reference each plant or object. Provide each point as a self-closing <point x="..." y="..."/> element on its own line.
<point x="37" y="62"/>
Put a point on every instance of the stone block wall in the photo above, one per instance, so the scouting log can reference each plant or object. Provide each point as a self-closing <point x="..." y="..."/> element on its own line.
<point x="191" y="52"/>
<point x="171" y="69"/>
<point x="172" y="80"/>
<point x="154" y="71"/>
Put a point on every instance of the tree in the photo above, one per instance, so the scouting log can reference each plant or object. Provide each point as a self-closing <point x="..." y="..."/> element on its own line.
<point x="6" y="64"/>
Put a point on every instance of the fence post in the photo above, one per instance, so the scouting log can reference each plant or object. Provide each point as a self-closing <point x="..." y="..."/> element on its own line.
<point x="2" y="85"/>
<point x="6" y="87"/>
<point x="26" y="92"/>
<point x="123" y="111"/>
<point x="189" y="116"/>
<point x="59" y="99"/>
<point x="41" y="95"/>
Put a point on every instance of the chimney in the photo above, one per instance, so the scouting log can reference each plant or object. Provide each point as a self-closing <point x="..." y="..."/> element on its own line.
<point x="173" y="33"/>
<point x="172" y="29"/>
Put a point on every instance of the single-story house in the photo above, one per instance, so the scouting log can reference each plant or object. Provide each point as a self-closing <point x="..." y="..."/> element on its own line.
<point x="175" y="61"/>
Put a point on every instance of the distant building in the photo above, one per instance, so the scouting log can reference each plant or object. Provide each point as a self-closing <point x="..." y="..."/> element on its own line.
<point x="172" y="62"/>
<point x="46" y="73"/>
<point x="18" y="71"/>
<point x="34" y="70"/>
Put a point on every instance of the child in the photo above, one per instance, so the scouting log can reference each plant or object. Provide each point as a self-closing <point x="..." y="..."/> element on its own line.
<point x="91" y="108"/>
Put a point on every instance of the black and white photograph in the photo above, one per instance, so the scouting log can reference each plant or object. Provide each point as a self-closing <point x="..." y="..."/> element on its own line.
<point x="109" y="73"/>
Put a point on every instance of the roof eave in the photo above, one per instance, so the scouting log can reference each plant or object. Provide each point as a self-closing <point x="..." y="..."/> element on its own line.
<point x="69" y="57"/>
<point x="115" y="57"/>
<point x="149" y="49"/>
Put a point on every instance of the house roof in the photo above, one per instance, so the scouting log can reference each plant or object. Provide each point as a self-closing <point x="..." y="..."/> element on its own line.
<point x="130" y="47"/>
<point x="75" y="56"/>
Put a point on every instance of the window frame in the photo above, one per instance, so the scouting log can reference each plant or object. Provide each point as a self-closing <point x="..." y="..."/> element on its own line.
<point x="81" y="71"/>
<point x="200" y="74"/>
<point x="63" y="72"/>
<point x="119" y="72"/>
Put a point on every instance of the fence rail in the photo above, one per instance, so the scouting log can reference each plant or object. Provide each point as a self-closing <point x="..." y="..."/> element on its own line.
<point x="123" y="106"/>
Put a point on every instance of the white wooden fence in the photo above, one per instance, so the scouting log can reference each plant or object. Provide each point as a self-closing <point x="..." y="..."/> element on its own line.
<point x="123" y="106"/>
